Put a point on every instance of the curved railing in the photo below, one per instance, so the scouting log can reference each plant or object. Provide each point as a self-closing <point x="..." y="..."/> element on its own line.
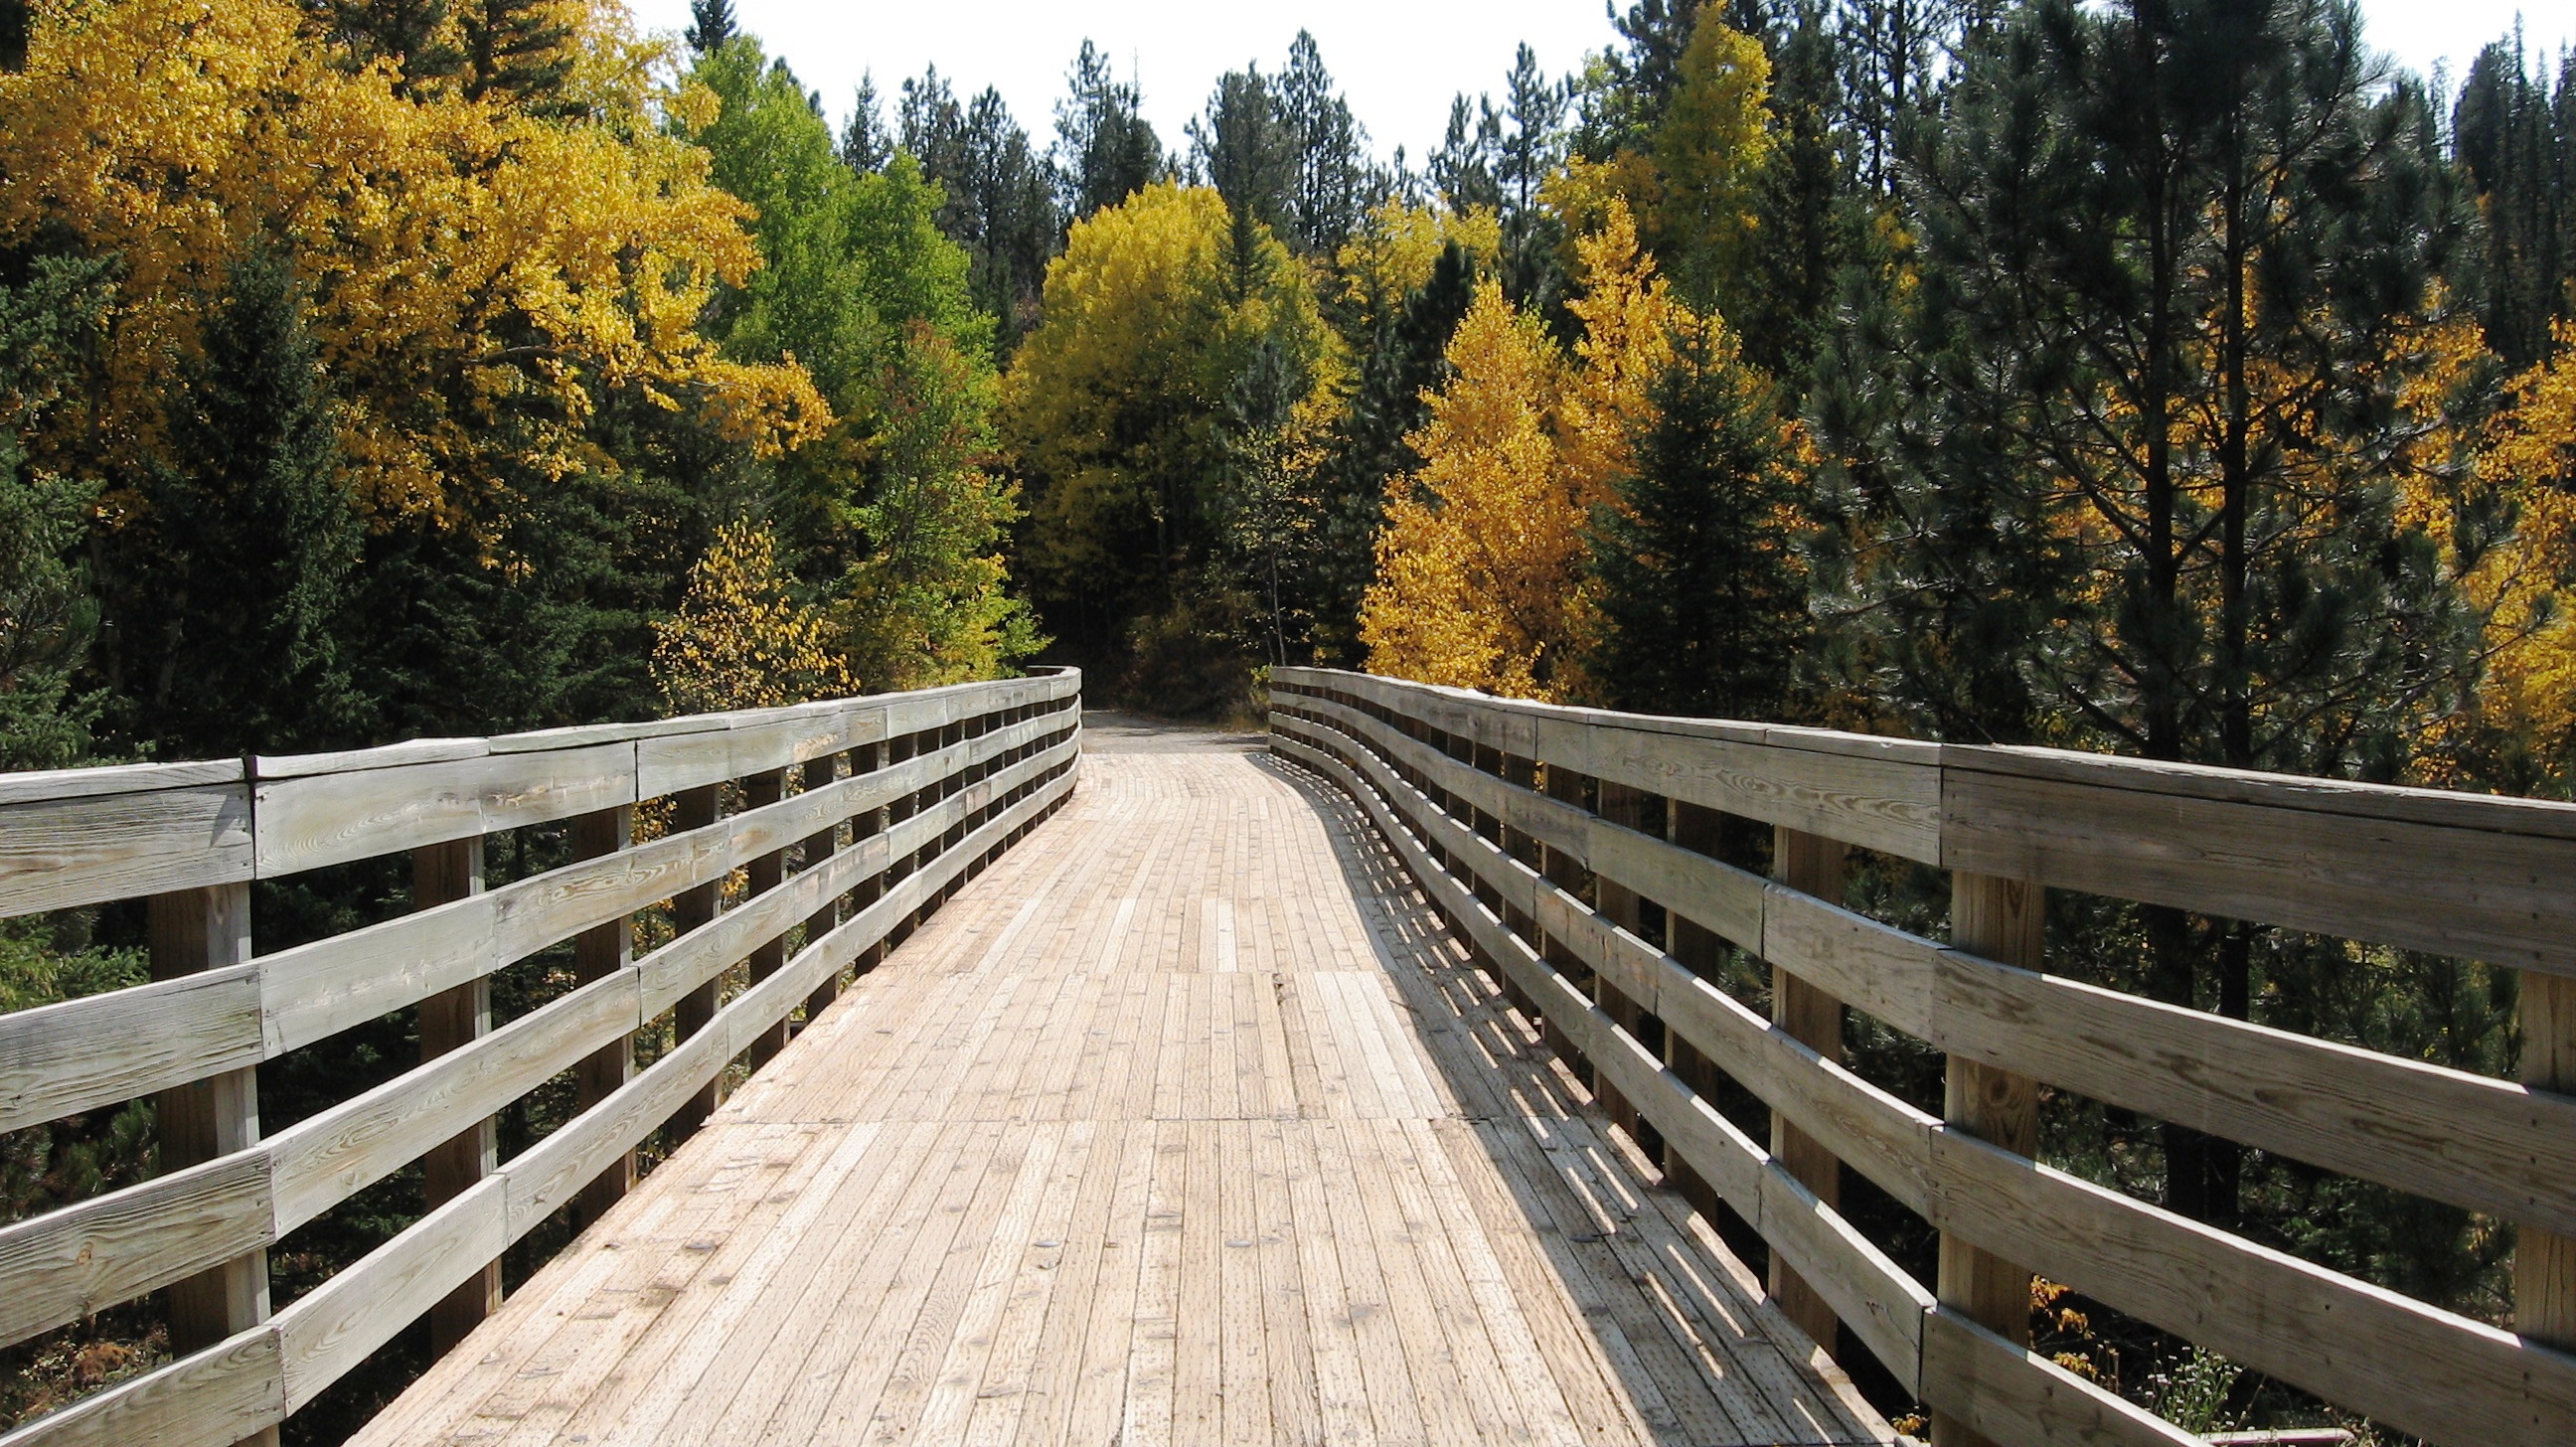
<point x="1510" y="814"/>
<point x="882" y="806"/>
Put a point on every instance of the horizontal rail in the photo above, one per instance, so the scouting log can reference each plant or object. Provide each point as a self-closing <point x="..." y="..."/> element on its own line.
<point x="2486" y="1144"/>
<point x="2458" y="874"/>
<point x="953" y="777"/>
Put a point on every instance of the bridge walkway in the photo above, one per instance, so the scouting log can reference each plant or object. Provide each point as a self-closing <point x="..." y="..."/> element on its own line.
<point x="1186" y="1122"/>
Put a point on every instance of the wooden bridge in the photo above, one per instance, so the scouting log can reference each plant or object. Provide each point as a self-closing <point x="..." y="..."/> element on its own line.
<point x="1007" y="1079"/>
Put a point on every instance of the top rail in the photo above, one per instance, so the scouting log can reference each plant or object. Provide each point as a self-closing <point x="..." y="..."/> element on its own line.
<point x="2478" y="876"/>
<point x="76" y="837"/>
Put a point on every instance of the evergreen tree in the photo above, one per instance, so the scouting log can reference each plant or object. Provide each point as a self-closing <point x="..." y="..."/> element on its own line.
<point x="1105" y="151"/>
<point x="416" y="35"/>
<point x="2515" y="140"/>
<point x="233" y="583"/>
<point x="1244" y="148"/>
<point x="865" y="145"/>
<point x="1332" y="180"/>
<point x="16" y="18"/>
<point x="1703" y="597"/>
<point x="1810" y="219"/>
<point x="1465" y="168"/>
<point x="711" y="24"/>
<point x="48" y="615"/>
<point x="519" y="50"/>
<point x="2176" y="257"/>
<point x="1000" y="204"/>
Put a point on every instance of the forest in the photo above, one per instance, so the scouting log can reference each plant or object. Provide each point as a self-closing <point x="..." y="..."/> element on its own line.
<point x="2172" y="378"/>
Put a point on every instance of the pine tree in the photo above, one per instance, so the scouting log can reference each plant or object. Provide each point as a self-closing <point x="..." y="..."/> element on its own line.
<point x="865" y="145"/>
<point x="234" y="582"/>
<point x="1000" y="204"/>
<point x="2515" y="142"/>
<point x="1464" y="168"/>
<point x="1244" y="148"/>
<point x="1332" y="182"/>
<point x="711" y="24"/>
<point x="1105" y="150"/>
<point x="1703" y="597"/>
<point x="2178" y="255"/>
<point x="517" y="50"/>
<point x="48" y="613"/>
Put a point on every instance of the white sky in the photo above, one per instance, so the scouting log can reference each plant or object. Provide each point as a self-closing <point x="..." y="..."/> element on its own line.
<point x="1398" y="61"/>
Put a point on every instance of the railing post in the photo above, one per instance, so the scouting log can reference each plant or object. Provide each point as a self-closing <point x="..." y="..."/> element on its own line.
<point x="194" y="930"/>
<point x="880" y="756"/>
<point x="1631" y="807"/>
<point x="2003" y="920"/>
<point x="450" y="1020"/>
<point x="1567" y="873"/>
<point x="597" y="953"/>
<point x="1812" y="865"/>
<point x="1696" y="827"/>
<point x="822" y="773"/>
<point x="2544" y="1262"/>
<point x="692" y="909"/>
<point x="763" y="875"/>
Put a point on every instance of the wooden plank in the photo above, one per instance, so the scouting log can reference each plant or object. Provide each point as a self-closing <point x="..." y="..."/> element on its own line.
<point x="334" y="1153"/>
<point x="2449" y="890"/>
<point x="338" y="1324"/>
<point x="34" y="786"/>
<point x="2495" y="1146"/>
<point x="332" y="818"/>
<point x="762" y="874"/>
<point x="78" y="1055"/>
<point x="187" y="1224"/>
<point x="2007" y="1393"/>
<point x="692" y="909"/>
<point x="2396" y="1360"/>
<point x="1812" y="1014"/>
<point x="1865" y="964"/>
<point x="233" y="1391"/>
<point x="66" y="853"/>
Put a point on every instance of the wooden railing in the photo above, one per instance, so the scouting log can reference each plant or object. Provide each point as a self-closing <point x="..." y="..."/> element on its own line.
<point x="1510" y="813"/>
<point x="899" y="798"/>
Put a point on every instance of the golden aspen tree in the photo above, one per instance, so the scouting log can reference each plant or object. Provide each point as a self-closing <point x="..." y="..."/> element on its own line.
<point x="741" y="638"/>
<point x="1482" y="577"/>
<point x="477" y="273"/>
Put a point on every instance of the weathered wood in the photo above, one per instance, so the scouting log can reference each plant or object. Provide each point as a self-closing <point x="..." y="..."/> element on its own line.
<point x="190" y="1229"/>
<point x="453" y="1019"/>
<point x="79" y="1055"/>
<point x="2005" y="919"/>
<point x="2372" y="1351"/>
<point x="232" y="1392"/>
<point x="332" y="818"/>
<point x="597" y="953"/>
<point x="821" y="774"/>
<point x="694" y="909"/>
<point x="2544" y="1260"/>
<point x="2004" y="1392"/>
<point x="426" y="1268"/>
<point x="2451" y="888"/>
<point x="63" y="853"/>
<point x="193" y="931"/>
<point x="761" y="876"/>
<point x="1813" y="866"/>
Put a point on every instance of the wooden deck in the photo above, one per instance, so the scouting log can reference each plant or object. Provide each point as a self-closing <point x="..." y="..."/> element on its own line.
<point x="1186" y="1122"/>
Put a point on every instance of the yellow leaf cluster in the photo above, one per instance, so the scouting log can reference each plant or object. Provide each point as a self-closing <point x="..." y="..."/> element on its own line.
<point x="1481" y="578"/>
<point x="740" y="639"/>
<point x="474" y="274"/>
<point x="1393" y="252"/>
<point x="2528" y="456"/>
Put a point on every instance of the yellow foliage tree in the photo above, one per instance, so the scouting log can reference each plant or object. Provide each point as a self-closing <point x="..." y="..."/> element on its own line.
<point x="1481" y="566"/>
<point x="741" y="639"/>
<point x="1393" y="252"/>
<point x="476" y="273"/>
